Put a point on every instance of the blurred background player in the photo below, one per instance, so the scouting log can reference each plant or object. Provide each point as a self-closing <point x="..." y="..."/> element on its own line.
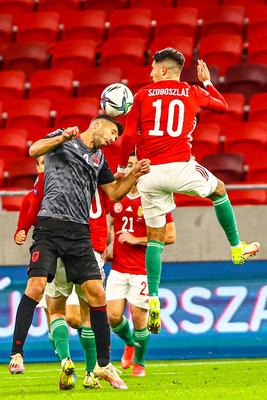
<point x="160" y="124"/>
<point x="127" y="281"/>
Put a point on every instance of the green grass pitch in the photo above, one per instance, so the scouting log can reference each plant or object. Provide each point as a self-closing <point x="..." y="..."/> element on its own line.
<point x="185" y="380"/>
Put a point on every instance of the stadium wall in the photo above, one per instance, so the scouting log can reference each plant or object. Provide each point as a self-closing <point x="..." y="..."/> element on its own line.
<point x="199" y="237"/>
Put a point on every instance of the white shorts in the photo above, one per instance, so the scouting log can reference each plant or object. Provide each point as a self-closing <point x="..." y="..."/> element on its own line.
<point x="42" y="302"/>
<point x="131" y="287"/>
<point x="157" y="187"/>
<point x="60" y="287"/>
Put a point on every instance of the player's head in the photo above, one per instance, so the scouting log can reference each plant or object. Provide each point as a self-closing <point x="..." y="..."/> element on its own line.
<point x="132" y="160"/>
<point x="167" y="64"/>
<point x="40" y="164"/>
<point x="105" y="130"/>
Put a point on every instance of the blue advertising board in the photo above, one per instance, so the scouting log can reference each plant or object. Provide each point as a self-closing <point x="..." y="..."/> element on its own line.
<point x="209" y="310"/>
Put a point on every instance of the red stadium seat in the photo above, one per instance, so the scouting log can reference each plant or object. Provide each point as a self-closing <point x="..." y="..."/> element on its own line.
<point x="184" y="200"/>
<point x="221" y="50"/>
<point x="206" y="140"/>
<point x="225" y="166"/>
<point x="152" y="4"/>
<point x="37" y="27"/>
<point x="223" y="20"/>
<point x="1" y="172"/>
<point x="17" y="6"/>
<point x="257" y="20"/>
<point x="6" y="28"/>
<point x="189" y="74"/>
<point x="22" y="173"/>
<point x="77" y="111"/>
<point x="242" y="2"/>
<point x="235" y="113"/>
<point x="183" y="21"/>
<point x="247" y="79"/>
<point x="201" y="6"/>
<point x="245" y="137"/>
<point x="32" y="115"/>
<point x="257" y="167"/>
<point x="52" y="84"/>
<point x="123" y="53"/>
<point x="87" y="25"/>
<point x="27" y="57"/>
<point x="75" y="55"/>
<point x="257" y="50"/>
<point x="184" y="44"/>
<point x="59" y="5"/>
<point x="12" y="203"/>
<point x="97" y="79"/>
<point x="132" y="23"/>
<point x="247" y="197"/>
<point x="13" y="145"/>
<point x="137" y="77"/>
<point x="258" y="107"/>
<point x="105" y="5"/>
<point x="12" y="85"/>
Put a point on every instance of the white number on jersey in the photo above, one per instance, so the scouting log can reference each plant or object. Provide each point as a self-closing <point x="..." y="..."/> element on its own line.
<point x="170" y="121"/>
<point x="94" y="214"/>
<point x="127" y="224"/>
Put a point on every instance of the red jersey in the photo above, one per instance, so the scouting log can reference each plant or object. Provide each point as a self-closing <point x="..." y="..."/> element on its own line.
<point x="98" y="223"/>
<point x="162" y="119"/>
<point x="128" y="215"/>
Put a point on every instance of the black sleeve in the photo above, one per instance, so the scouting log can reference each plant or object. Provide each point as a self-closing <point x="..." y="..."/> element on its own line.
<point x="55" y="133"/>
<point x="105" y="174"/>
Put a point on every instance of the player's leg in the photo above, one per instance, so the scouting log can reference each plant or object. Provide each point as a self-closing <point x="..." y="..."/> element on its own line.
<point x="226" y="218"/>
<point x="137" y="297"/>
<point x="141" y="339"/>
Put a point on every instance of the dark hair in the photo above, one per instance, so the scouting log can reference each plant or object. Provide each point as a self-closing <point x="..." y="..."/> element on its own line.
<point x="133" y="154"/>
<point x="170" y="54"/>
<point x="110" y="119"/>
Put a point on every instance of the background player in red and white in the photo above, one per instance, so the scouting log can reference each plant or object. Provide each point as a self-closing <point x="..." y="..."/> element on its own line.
<point x="127" y="281"/>
<point x="160" y="125"/>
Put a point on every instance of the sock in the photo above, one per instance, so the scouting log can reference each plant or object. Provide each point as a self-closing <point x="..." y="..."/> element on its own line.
<point x="153" y="265"/>
<point x="87" y="340"/>
<point x="60" y="335"/>
<point x="225" y="215"/>
<point x="124" y="332"/>
<point x="141" y="338"/>
<point x="23" y="322"/>
<point x="100" y="327"/>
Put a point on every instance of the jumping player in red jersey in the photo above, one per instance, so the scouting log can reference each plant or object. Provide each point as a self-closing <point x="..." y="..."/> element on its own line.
<point x="127" y="281"/>
<point x="160" y="125"/>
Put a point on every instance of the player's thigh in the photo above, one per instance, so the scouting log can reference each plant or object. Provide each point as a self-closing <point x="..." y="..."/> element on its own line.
<point x="139" y="316"/>
<point x="193" y="179"/>
<point x="117" y="285"/>
<point x="138" y="292"/>
<point x="94" y="292"/>
<point x="59" y="286"/>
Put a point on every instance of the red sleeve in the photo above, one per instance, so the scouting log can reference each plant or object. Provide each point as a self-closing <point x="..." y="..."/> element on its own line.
<point x="169" y="217"/>
<point x="38" y="194"/>
<point x="24" y="209"/>
<point x="129" y="135"/>
<point x="211" y="98"/>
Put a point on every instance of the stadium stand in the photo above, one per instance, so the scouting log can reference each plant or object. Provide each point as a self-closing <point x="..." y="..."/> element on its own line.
<point x="223" y="20"/>
<point x="37" y="27"/>
<point x="12" y="203"/>
<point x="184" y="43"/>
<point x="229" y="167"/>
<point x="6" y="28"/>
<point x="58" y="5"/>
<point x="12" y="85"/>
<point x="132" y="23"/>
<point x="206" y="140"/>
<point x="137" y="77"/>
<point x="94" y="82"/>
<point x="22" y="173"/>
<point x="17" y="6"/>
<point x="13" y="145"/>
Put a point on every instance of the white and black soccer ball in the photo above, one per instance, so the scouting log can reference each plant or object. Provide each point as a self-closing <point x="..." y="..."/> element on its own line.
<point x="116" y="99"/>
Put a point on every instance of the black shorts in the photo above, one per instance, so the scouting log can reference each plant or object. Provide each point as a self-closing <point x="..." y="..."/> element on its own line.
<point x="53" y="238"/>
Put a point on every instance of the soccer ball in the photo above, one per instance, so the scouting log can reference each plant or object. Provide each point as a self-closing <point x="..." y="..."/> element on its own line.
<point x="116" y="99"/>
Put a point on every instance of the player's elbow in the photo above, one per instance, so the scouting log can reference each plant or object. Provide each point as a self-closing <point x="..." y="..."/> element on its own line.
<point x="33" y="151"/>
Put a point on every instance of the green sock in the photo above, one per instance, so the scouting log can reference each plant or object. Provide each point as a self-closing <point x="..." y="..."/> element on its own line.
<point x="50" y="337"/>
<point x="141" y="338"/>
<point x="226" y="218"/>
<point x="60" y="335"/>
<point x="124" y="332"/>
<point x="153" y="265"/>
<point x="87" y="340"/>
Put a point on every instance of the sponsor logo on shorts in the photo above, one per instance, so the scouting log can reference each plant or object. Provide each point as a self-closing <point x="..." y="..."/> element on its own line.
<point x="35" y="256"/>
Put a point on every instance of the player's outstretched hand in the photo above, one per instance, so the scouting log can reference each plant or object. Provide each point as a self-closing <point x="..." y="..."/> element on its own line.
<point x="203" y="72"/>
<point x="20" y="237"/>
<point x="142" y="167"/>
<point x="70" y="133"/>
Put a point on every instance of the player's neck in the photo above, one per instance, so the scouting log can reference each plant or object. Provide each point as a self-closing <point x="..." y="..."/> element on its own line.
<point x="87" y="139"/>
<point x="133" y="191"/>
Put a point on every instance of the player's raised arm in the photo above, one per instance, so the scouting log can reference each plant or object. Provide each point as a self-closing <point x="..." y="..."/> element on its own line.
<point x="214" y="101"/>
<point x="43" y="146"/>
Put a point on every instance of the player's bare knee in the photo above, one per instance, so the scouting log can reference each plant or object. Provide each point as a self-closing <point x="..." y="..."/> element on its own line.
<point x="74" y="321"/>
<point x="114" y="318"/>
<point x="219" y="191"/>
<point x="35" y="288"/>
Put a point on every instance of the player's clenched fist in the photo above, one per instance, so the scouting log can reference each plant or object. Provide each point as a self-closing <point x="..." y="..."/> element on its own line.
<point x="70" y="133"/>
<point x="142" y="167"/>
